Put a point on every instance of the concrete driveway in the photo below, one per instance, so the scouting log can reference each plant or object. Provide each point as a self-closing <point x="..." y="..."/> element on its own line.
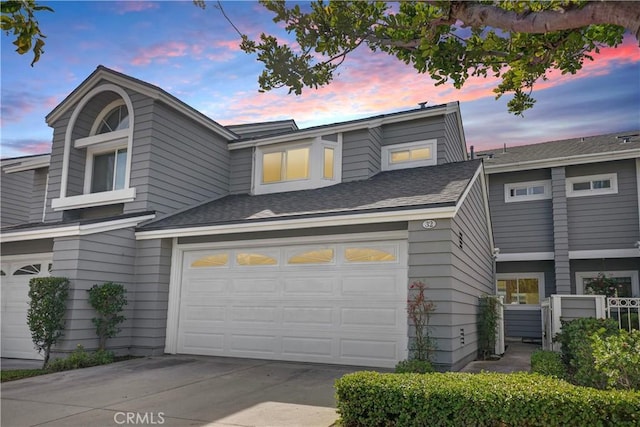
<point x="177" y="391"/>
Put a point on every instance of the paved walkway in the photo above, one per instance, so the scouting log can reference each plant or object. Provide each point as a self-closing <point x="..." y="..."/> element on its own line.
<point x="517" y="357"/>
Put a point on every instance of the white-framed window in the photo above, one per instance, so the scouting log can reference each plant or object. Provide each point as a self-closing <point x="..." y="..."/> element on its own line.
<point x="107" y="154"/>
<point x="592" y="185"/>
<point x="627" y="281"/>
<point x="409" y="155"/>
<point x="524" y="290"/>
<point x="303" y="165"/>
<point x="527" y="191"/>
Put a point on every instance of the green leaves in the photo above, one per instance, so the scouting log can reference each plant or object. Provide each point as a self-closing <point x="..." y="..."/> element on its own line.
<point x="108" y="299"/>
<point x="47" y="306"/>
<point x="18" y="18"/>
<point x="431" y="36"/>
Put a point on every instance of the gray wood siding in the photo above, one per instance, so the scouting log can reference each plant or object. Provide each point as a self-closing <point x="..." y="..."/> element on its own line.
<point x="16" y="189"/>
<point x="240" y="171"/>
<point x="55" y="166"/>
<point x="361" y="154"/>
<point x="38" y="194"/>
<point x="560" y="230"/>
<point x="176" y="163"/>
<point x="86" y="261"/>
<point x="472" y="272"/>
<point x="455" y="277"/>
<point x="419" y="130"/>
<point x="606" y="221"/>
<point x="520" y="227"/>
<point x="576" y="308"/>
<point x="152" y="273"/>
<point x="523" y="324"/>
<point x="452" y="147"/>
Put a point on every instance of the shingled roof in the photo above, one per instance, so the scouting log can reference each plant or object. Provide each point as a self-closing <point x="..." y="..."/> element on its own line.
<point x="425" y="187"/>
<point x="600" y="144"/>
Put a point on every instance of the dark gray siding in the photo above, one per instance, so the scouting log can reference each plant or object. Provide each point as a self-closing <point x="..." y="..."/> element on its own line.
<point x="175" y="163"/>
<point x="456" y="277"/>
<point x="523" y="324"/>
<point x="86" y="261"/>
<point x="560" y="230"/>
<point x="39" y="246"/>
<point x="38" y="194"/>
<point x="452" y="147"/>
<point x="152" y="273"/>
<point x="241" y="170"/>
<point x="361" y="154"/>
<point x="520" y="227"/>
<point x="16" y="189"/>
<point x="602" y="265"/>
<point x="606" y="221"/>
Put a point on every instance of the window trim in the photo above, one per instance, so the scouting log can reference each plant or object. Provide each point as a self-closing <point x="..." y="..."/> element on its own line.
<point x="387" y="150"/>
<point x="570" y="181"/>
<point x="118" y="139"/>
<point x="535" y="275"/>
<point x="508" y="198"/>
<point x="635" y="285"/>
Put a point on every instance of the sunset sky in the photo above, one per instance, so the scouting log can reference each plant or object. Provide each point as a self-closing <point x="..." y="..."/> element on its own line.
<point x="194" y="55"/>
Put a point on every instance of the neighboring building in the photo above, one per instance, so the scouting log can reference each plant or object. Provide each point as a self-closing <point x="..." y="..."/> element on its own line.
<point x="563" y="212"/>
<point x="259" y="240"/>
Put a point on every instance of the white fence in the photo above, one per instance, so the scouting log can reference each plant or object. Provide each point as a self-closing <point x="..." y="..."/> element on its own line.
<point x="500" y="330"/>
<point x="626" y="311"/>
<point x="569" y="307"/>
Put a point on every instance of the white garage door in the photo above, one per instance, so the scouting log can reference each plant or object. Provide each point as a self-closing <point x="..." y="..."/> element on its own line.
<point x="330" y="303"/>
<point x="15" y="276"/>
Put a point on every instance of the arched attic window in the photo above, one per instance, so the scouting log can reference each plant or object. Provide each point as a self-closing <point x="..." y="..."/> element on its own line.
<point x="116" y="119"/>
<point x="107" y="149"/>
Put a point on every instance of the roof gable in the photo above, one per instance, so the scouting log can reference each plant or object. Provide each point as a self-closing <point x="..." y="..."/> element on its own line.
<point x="123" y="80"/>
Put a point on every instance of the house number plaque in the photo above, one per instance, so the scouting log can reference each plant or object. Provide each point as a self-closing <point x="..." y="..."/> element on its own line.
<point x="429" y="224"/>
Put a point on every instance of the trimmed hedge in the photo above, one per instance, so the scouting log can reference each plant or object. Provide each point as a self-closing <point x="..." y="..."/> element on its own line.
<point x="548" y="363"/>
<point x="486" y="399"/>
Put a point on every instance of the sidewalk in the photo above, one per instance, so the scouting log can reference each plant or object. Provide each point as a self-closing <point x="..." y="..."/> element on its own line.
<point x="517" y="357"/>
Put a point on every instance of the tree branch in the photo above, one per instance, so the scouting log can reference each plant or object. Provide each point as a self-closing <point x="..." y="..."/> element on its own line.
<point x="625" y="14"/>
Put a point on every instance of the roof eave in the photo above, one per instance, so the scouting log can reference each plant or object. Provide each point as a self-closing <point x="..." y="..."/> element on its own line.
<point x="345" y="126"/>
<point x="562" y="161"/>
<point x="339" y="219"/>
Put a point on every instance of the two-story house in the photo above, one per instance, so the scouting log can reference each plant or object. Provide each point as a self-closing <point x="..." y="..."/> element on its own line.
<point x="562" y="213"/>
<point x="257" y="240"/>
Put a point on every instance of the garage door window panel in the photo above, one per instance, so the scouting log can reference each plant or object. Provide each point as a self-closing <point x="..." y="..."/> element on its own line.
<point x="214" y="260"/>
<point x="366" y="254"/>
<point x="255" y="259"/>
<point x="317" y="256"/>
<point x="27" y="270"/>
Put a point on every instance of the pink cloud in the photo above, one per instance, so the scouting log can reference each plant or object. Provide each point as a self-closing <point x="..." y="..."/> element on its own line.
<point x="135" y="6"/>
<point x="160" y="53"/>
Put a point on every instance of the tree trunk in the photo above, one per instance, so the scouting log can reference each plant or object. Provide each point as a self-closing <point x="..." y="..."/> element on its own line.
<point x="47" y="350"/>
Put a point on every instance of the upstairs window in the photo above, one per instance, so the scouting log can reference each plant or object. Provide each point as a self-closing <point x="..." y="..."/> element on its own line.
<point x="109" y="171"/>
<point x="302" y="165"/>
<point x="408" y="155"/>
<point x="286" y="165"/>
<point x="525" y="191"/>
<point x="592" y="185"/>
